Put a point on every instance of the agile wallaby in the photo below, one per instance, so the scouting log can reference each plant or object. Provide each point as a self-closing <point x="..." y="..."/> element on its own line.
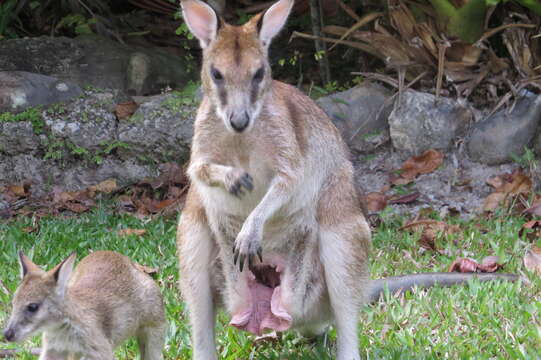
<point x="272" y="219"/>
<point x="85" y="313"/>
<point x="272" y="226"/>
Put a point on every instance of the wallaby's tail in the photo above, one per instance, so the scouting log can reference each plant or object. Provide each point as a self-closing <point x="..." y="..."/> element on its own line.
<point x="398" y="284"/>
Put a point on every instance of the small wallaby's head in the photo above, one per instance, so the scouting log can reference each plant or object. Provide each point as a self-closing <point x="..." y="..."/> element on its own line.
<point x="235" y="74"/>
<point x="39" y="299"/>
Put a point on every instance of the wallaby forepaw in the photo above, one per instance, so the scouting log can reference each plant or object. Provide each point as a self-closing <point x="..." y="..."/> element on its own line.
<point x="239" y="182"/>
<point x="247" y="246"/>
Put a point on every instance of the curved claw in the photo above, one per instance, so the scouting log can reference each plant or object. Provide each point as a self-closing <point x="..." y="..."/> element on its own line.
<point x="247" y="182"/>
<point x="260" y="253"/>
<point x="241" y="262"/>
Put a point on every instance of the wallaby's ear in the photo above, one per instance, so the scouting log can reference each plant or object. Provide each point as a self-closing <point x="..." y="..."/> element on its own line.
<point x="62" y="273"/>
<point x="27" y="265"/>
<point x="201" y="20"/>
<point x="273" y="20"/>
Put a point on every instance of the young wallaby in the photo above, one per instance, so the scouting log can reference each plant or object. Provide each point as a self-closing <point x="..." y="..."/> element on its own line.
<point x="85" y="313"/>
<point x="272" y="221"/>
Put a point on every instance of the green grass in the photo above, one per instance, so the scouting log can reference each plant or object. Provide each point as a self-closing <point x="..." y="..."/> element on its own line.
<point x="480" y="321"/>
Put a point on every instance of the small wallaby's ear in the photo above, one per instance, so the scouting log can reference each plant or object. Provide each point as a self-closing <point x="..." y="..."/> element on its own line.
<point x="62" y="273"/>
<point x="27" y="265"/>
<point x="273" y="20"/>
<point x="201" y="20"/>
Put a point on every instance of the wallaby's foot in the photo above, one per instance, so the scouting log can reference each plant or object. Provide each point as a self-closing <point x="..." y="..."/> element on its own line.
<point x="237" y="181"/>
<point x="248" y="245"/>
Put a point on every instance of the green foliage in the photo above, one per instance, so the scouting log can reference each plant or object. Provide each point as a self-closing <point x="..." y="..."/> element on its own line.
<point x="468" y="21"/>
<point x="182" y="98"/>
<point x="78" y="23"/>
<point x="60" y="150"/>
<point x="8" y="14"/>
<point x="33" y="115"/>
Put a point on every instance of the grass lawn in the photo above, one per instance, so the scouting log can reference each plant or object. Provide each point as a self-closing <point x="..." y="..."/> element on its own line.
<point x="481" y="321"/>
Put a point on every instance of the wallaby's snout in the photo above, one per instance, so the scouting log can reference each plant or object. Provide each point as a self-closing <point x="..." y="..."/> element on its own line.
<point x="239" y="122"/>
<point x="9" y="334"/>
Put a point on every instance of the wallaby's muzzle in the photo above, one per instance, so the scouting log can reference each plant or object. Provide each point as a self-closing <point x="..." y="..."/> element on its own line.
<point x="239" y="122"/>
<point x="9" y="334"/>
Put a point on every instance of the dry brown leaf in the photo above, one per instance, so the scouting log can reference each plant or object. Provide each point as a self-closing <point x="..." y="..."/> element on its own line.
<point x="534" y="225"/>
<point x="126" y="109"/>
<point x="146" y="269"/>
<point x="107" y="186"/>
<point x="376" y="201"/>
<point x="430" y="231"/>
<point x="17" y="190"/>
<point x="425" y="163"/>
<point x="507" y="187"/>
<point x="532" y="260"/>
<point x="406" y="199"/>
<point x="466" y="265"/>
<point x="129" y="231"/>
<point x="29" y="229"/>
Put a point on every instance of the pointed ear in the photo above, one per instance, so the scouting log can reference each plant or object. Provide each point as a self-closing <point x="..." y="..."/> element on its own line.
<point x="62" y="273"/>
<point x="273" y="20"/>
<point x="201" y="20"/>
<point x="27" y="265"/>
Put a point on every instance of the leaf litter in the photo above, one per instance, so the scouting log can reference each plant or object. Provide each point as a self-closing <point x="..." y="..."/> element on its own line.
<point x="161" y="195"/>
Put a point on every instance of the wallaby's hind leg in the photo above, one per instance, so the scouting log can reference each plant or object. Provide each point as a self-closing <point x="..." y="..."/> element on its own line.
<point x="151" y="341"/>
<point x="344" y="241"/>
<point x="196" y="247"/>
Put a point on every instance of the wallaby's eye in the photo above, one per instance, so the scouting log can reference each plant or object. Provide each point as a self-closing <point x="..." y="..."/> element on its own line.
<point x="33" y="307"/>
<point x="258" y="76"/>
<point x="216" y="75"/>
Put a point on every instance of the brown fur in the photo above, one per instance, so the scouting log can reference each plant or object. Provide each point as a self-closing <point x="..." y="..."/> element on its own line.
<point x="102" y="302"/>
<point x="296" y="198"/>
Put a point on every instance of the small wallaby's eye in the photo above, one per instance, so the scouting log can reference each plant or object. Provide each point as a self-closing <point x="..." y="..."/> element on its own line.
<point x="258" y="76"/>
<point x="216" y="75"/>
<point x="33" y="307"/>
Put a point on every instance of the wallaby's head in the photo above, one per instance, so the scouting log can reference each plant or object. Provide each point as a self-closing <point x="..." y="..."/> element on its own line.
<point x="39" y="300"/>
<point x="235" y="74"/>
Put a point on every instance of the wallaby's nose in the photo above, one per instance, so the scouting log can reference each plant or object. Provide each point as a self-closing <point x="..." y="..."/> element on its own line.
<point x="9" y="334"/>
<point x="239" y="123"/>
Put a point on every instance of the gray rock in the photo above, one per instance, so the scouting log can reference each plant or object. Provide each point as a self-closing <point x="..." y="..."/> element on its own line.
<point x="161" y="130"/>
<point x="498" y="138"/>
<point x="420" y="123"/>
<point x="21" y="90"/>
<point x="87" y="122"/>
<point x="99" y="62"/>
<point x="74" y="176"/>
<point x="125" y="172"/>
<point x="361" y="115"/>
<point x="18" y="138"/>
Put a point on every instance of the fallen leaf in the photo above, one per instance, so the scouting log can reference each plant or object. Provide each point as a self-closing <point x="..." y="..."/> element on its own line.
<point x="128" y="231"/>
<point x="507" y="187"/>
<point x="106" y="187"/>
<point x="430" y="231"/>
<point x="405" y="199"/>
<point x="29" y="229"/>
<point x="425" y="163"/>
<point x="535" y="208"/>
<point x="146" y="269"/>
<point x="126" y="109"/>
<point x="17" y="190"/>
<point x="532" y="260"/>
<point x="375" y="202"/>
<point x="534" y="225"/>
<point x="467" y="265"/>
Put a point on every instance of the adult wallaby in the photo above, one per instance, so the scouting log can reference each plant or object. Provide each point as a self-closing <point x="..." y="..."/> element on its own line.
<point x="85" y="313"/>
<point x="272" y="226"/>
<point x="272" y="220"/>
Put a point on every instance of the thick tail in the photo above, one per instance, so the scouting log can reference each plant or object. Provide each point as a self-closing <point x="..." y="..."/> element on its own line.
<point x="398" y="284"/>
